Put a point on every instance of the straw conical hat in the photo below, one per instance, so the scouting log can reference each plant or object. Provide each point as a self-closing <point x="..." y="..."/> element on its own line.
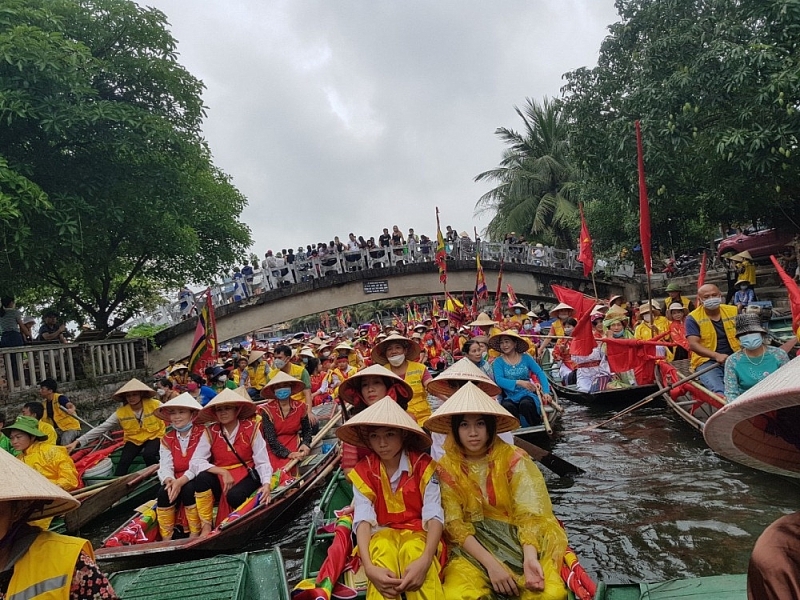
<point x="462" y="370"/>
<point x="522" y="344"/>
<point x="742" y="255"/>
<point x="614" y="297"/>
<point x="134" y="385"/>
<point x="470" y="400"/>
<point x="748" y="430"/>
<point x="315" y="341"/>
<point x="254" y="356"/>
<point x="384" y="413"/>
<point x="178" y="367"/>
<point x="600" y="308"/>
<point x="379" y="351"/>
<point x="519" y="305"/>
<point x="344" y="347"/>
<point x="184" y="400"/>
<point x="268" y="391"/>
<point x="616" y="312"/>
<point x="227" y="396"/>
<point x="558" y="307"/>
<point x="24" y="484"/>
<point x="308" y="353"/>
<point x="352" y="384"/>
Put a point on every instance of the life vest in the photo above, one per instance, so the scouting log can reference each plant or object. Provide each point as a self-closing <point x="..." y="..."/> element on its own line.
<point x="53" y="462"/>
<point x="683" y="300"/>
<point x="336" y="373"/>
<point x="61" y="419"/>
<point x="401" y="509"/>
<point x="48" y="568"/>
<point x="418" y="406"/>
<point x="258" y="376"/>
<point x="295" y="371"/>
<point x="150" y="427"/>
<point x="708" y="335"/>
<point x="180" y="460"/>
<point x="557" y="327"/>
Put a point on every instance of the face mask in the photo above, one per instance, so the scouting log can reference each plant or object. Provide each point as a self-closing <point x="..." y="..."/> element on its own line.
<point x="712" y="303"/>
<point x="283" y="393"/>
<point x="751" y="341"/>
<point x="429" y="343"/>
<point x="305" y="361"/>
<point x="648" y="317"/>
<point x="161" y="391"/>
<point x="517" y="311"/>
<point x="183" y="429"/>
<point x="568" y="331"/>
<point x="398" y="360"/>
<point x="618" y="334"/>
<point x="527" y="327"/>
<point x="563" y="316"/>
<point x="222" y="378"/>
<point x="326" y="354"/>
<point x="279" y="363"/>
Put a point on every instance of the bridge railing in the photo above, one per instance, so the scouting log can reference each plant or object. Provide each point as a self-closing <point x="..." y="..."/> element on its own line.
<point x="23" y="367"/>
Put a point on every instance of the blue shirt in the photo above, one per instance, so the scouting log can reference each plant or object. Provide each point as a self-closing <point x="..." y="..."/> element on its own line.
<point x="206" y="394"/>
<point x="506" y="376"/>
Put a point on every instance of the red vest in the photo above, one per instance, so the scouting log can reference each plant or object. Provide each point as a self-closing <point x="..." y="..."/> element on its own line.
<point x="221" y="454"/>
<point x="287" y="430"/>
<point x="180" y="461"/>
<point x="401" y="509"/>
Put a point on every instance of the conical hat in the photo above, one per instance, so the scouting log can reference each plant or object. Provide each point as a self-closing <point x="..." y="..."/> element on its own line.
<point x="522" y="344"/>
<point x="308" y="353"/>
<point x="519" y="305"/>
<point x="344" y="347"/>
<point x="462" y="370"/>
<point x="742" y="255"/>
<point x="315" y="341"/>
<point x="24" y="484"/>
<point x="134" y="385"/>
<point x="254" y="356"/>
<point x="268" y="391"/>
<point x="384" y="413"/>
<point x="615" y="312"/>
<point x="178" y="367"/>
<point x="558" y="307"/>
<point x="614" y="297"/>
<point x="353" y="383"/>
<point x="470" y="400"/>
<point x="747" y="430"/>
<point x="379" y="351"/>
<point x="184" y="400"/>
<point x="226" y="396"/>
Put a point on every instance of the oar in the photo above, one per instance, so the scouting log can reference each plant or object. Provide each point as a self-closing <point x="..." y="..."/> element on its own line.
<point x="545" y="419"/>
<point x="557" y="465"/>
<point x="647" y="399"/>
<point x="90" y="426"/>
<point x="316" y="440"/>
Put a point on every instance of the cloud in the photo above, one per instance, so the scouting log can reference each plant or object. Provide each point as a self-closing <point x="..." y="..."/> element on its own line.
<point x="343" y="116"/>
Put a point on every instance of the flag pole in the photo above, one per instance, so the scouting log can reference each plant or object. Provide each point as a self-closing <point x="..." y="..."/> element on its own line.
<point x="644" y="218"/>
<point x="594" y="285"/>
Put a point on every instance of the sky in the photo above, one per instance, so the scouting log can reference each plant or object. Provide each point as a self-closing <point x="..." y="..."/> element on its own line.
<point x="340" y="116"/>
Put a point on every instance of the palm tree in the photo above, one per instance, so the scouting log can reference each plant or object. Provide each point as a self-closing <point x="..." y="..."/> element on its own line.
<point x="536" y="190"/>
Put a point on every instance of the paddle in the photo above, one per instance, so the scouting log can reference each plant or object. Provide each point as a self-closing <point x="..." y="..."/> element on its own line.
<point x="317" y="439"/>
<point x="557" y="465"/>
<point x="647" y="399"/>
<point x="90" y="426"/>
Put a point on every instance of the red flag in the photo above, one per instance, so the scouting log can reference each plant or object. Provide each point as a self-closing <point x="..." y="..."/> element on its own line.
<point x="794" y="293"/>
<point x="441" y="252"/>
<point x="644" y="206"/>
<point x="637" y="355"/>
<point x="498" y="301"/>
<point x="582" y="303"/>
<point x="701" y="279"/>
<point x="512" y="297"/>
<point x="583" y="341"/>
<point x="204" y="347"/>
<point x="585" y="254"/>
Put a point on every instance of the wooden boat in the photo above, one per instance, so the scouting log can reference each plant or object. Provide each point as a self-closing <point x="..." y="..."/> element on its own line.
<point x="137" y="533"/>
<point x="719" y="587"/>
<point x="540" y="431"/>
<point x="251" y="575"/>
<point x="611" y="396"/>
<point x="691" y="401"/>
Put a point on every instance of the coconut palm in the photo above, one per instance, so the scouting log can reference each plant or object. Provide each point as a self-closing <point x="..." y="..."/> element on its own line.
<point x="536" y="190"/>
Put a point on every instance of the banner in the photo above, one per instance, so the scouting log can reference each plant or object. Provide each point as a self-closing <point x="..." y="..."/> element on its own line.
<point x="481" y="289"/>
<point x="204" y="347"/>
<point x="585" y="254"/>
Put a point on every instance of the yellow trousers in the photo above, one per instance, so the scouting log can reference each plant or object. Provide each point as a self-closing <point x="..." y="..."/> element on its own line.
<point x="465" y="581"/>
<point x="395" y="549"/>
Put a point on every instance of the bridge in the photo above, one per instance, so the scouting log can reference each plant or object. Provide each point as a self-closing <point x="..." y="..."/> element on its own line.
<point x="346" y="288"/>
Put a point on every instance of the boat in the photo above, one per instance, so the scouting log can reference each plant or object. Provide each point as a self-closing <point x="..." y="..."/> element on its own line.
<point x="610" y="396"/>
<point x="540" y="430"/>
<point x="251" y="575"/>
<point x="691" y="401"/>
<point x="135" y="540"/>
<point x="718" y="587"/>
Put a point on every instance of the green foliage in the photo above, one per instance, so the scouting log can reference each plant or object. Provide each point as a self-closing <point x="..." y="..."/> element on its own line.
<point x="145" y="330"/>
<point x="107" y="189"/>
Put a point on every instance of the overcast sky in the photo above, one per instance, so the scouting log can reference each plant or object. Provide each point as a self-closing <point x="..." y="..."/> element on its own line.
<point x="337" y="116"/>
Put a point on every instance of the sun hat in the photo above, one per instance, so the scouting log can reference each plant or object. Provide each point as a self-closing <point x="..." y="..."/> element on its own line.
<point x="178" y="367"/>
<point x="676" y="306"/>
<point x="384" y="413"/>
<point x="600" y="308"/>
<point x="746" y="323"/>
<point x="644" y="309"/>
<point x="416" y="336"/>
<point x="614" y="297"/>
<point x="482" y="339"/>
<point x="308" y="353"/>
<point x="315" y="341"/>
<point x="28" y="425"/>
<point x="21" y="483"/>
<point x="226" y="397"/>
<point x="344" y="347"/>
<point x="462" y="370"/>
<point x="522" y="345"/>
<point x="421" y="326"/>
<point x="378" y="354"/>
<point x="268" y="391"/>
<point x="483" y="320"/>
<point x="134" y="385"/>
<point x="184" y="400"/>
<point x="559" y="307"/>
<point x="470" y="400"/>
<point x="673" y="287"/>
<point x="351" y="385"/>
<point x="756" y="428"/>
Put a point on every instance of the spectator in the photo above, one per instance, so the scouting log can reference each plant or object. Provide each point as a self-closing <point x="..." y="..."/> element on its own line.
<point x="290" y="256"/>
<point x="385" y="240"/>
<point x="301" y="254"/>
<point x="248" y="274"/>
<point x="451" y="235"/>
<point x="362" y="244"/>
<point x="337" y="244"/>
<point x="185" y="303"/>
<point x="371" y="243"/>
<point x="14" y="328"/>
<point x="353" y="245"/>
<point x="239" y="291"/>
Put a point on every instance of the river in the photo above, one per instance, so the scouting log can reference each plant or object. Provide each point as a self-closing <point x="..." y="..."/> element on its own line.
<point x="654" y="503"/>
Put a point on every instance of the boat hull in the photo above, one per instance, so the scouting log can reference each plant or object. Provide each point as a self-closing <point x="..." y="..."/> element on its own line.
<point x="693" y="403"/>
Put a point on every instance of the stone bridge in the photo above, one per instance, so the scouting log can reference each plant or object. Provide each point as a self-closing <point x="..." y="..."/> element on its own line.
<point x="530" y="282"/>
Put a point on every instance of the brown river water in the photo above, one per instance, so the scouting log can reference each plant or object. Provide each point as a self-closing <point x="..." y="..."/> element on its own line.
<point x="654" y="503"/>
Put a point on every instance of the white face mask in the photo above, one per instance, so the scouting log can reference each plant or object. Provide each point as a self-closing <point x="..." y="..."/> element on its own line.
<point x="647" y="317"/>
<point x="279" y="363"/>
<point x="161" y="391"/>
<point x="222" y="378"/>
<point x="396" y="361"/>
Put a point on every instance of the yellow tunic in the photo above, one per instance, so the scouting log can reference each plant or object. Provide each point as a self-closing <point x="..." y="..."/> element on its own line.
<point x="53" y="462"/>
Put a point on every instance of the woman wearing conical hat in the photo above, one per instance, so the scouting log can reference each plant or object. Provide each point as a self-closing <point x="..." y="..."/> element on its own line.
<point x="284" y="422"/>
<point x="502" y="535"/>
<point x="142" y="430"/>
<point x="399" y="354"/>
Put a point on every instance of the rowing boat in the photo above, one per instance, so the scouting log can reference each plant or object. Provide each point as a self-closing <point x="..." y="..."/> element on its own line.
<point x="609" y="396"/>
<point x="250" y="575"/>
<point x="691" y="401"/>
<point x="719" y="587"/>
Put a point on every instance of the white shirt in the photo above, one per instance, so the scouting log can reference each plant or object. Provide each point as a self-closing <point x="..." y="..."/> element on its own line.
<point x="353" y="246"/>
<point x="166" y="466"/>
<point x="364" y="510"/>
<point x="202" y="453"/>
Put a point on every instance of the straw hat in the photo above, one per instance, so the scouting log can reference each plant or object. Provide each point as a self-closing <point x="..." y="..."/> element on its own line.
<point x="742" y="255"/>
<point x="470" y="400"/>
<point x="421" y="326"/>
<point x="600" y="308"/>
<point x="227" y="397"/>
<point x="254" y="356"/>
<point x="379" y="351"/>
<point x="559" y="307"/>
<point x="741" y="280"/>
<point x="614" y="297"/>
<point x="519" y="305"/>
<point x="315" y="341"/>
<point x="268" y="391"/>
<point x="522" y="344"/>
<point x="134" y="385"/>
<point x="462" y="370"/>
<point x="344" y="347"/>
<point x="178" y="367"/>
<point x="184" y="400"/>
<point x="384" y="413"/>
<point x="748" y="323"/>
<point x="308" y="353"/>
<point x="27" y="425"/>
<point x="748" y="430"/>
<point x="676" y="306"/>
<point x="352" y="384"/>
<point x="483" y="320"/>
<point x="23" y="484"/>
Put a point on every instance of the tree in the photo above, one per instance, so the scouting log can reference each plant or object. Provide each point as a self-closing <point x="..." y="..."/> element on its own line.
<point x="536" y="179"/>
<point x="107" y="190"/>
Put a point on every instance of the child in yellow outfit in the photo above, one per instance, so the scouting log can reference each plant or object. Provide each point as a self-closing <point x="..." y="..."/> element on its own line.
<point x="397" y="516"/>
<point x="502" y="536"/>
